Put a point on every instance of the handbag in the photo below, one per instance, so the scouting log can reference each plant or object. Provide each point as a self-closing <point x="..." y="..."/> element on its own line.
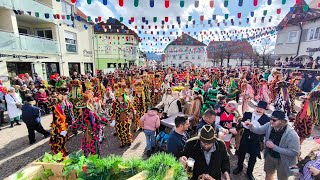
<point x="19" y="106"/>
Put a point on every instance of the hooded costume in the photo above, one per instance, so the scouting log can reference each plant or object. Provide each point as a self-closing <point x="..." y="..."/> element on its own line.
<point x="139" y="104"/>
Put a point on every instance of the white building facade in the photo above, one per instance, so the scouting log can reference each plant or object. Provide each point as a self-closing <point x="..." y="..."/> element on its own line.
<point x="185" y="51"/>
<point x="44" y="37"/>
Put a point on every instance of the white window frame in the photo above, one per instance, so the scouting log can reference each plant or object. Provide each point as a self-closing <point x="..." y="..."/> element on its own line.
<point x="64" y="5"/>
<point x="71" y="36"/>
<point x="294" y="38"/>
<point x="314" y="34"/>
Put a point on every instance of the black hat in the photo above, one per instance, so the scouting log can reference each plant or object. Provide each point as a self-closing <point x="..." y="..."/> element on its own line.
<point x="279" y="115"/>
<point x="207" y="134"/>
<point x="154" y="109"/>
<point x="262" y="105"/>
<point x="30" y="100"/>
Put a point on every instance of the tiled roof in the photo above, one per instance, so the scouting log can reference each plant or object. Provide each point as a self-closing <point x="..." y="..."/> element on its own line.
<point x="186" y="40"/>
<point x="236" y="48"/>
<point x="297" y="16"/>
<point x="113" y="26"/>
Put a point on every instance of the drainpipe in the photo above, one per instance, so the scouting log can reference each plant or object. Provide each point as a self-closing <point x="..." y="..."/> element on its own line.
<point x="300" y="26"/>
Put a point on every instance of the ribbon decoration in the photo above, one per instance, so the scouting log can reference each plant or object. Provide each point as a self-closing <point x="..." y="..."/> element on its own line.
<point x="166" y="3"/>
<point x="152" y="3"/>
<point x="105" y="2"/>
<point x="121" y="3"/>
<point x="255" y="2"/>
<point x="240" y="3"/>
<point x="181" y="3"/>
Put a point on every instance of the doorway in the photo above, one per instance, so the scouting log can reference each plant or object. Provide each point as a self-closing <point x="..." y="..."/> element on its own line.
<point x="16" y="68"/>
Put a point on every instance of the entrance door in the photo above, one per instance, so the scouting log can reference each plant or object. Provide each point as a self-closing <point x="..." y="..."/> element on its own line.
<point x="40" y="69"/>
<point x="16" y="68"/>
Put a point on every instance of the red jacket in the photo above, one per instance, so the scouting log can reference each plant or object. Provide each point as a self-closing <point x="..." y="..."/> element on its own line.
<point x="41" y="97"/>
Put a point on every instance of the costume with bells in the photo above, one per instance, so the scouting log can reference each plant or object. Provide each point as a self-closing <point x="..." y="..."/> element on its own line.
<point x="59" y="127"/>
<point x="120" y="112"/>
<point x="282" y="101"/>
<point x="139" y="104"/>
<point x="156" y="98"/>
<point x="89" y="122"/>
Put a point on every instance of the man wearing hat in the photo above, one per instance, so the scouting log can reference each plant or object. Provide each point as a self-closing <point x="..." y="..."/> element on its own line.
<point x="250" y="142"/>
<point x="210" y="155"/>
<point x="282" y="145"/>
<point x="31" y="116"/>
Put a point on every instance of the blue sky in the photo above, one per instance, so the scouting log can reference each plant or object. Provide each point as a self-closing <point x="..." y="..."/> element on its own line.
<point x="97" y="8"/>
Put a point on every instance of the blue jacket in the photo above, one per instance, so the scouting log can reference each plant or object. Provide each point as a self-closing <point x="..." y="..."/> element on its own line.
<point x="30" y="114"/>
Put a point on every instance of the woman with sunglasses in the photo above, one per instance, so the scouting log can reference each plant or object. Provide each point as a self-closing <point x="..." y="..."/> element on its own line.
<point x="282" y="145"/>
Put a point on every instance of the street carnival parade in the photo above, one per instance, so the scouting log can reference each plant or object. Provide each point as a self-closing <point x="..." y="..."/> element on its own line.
<point x="160" y="89"/>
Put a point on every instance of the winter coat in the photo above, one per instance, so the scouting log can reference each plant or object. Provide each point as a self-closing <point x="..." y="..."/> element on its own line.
<point x="170" y="103"/>
<point x="150" y="120"/>
<point x="42" y="97"/>
<point x="13" y="110"/>
<point x="2" y="102"/>
<point x="289" y="146"/>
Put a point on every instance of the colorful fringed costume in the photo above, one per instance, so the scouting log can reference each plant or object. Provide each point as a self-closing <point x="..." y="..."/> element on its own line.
<point x="282" y="101"/>
<point x="59" y="127"/>
<point x="255" y="81"/>
<point x="308" y="116"/>
<point x="210" y="99"/>
<point x="89" y="122"/>
<point x="75" y="97"/>
<point x="147" y="92"/>
<point x="232" y="90"/>
<point x="157" y="89"/>
<point x="139" y="104"/>
<point x="120" y="112"/>
<point x="247" y="94"/>
<point x="293" y="89"/>
<point x="263" y="93"/>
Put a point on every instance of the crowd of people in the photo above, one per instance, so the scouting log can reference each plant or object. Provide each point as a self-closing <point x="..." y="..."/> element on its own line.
<point x="145" y="97"/>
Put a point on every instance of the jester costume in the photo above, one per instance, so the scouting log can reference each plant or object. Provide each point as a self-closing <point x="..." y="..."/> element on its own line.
<point x="59" y="127"/>
<point x="263" y="93"/>
<point x="75" y="96"/>
<point x="147" y="92"/>
<point x="308" y="116"/>
<point x="210" y="100"/>
<point x="282" y="101"/>
<point x="156" y="98"/>
<point x="255" y="81"/>
<point x="247" y="95"/>
<point x="139" y="104"/>
<point x="120" y="112"/>
<point x="232" y="90"/>
<point x="293" y="89"/>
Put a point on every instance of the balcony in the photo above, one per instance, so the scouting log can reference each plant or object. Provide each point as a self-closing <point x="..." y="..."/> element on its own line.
<point x="29" y="5"/>
<point x="28" y="44"/>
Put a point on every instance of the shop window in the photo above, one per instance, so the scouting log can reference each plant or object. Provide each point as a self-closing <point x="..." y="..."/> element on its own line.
<point x="74" y="67"/>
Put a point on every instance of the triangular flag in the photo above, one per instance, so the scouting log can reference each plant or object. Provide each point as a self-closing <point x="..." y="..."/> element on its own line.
<point x="152" y="3"/>
<point x="255" y="2"/>
<point x="154" y="19"/>
<point x="226" y="16"/>
<point x="240" y="2"/>
<point x="239" y="15"/>
<point x="284" y="2"/>
<point x="279" y="11"/>
<point x="136" y="3"/>
<point x="89" y="1"/>
<point x="211" y="3"/>
<point x="225" y="3"/>
<point x="121" y="19"/>
<point x="121" y="3"/>
<point x="166" y="3"/>
<point x="189" y="18"/>
<point x="181" y="3"/>
<point x="265" y="12"/>
<point x="196" y="3"/>
<point x="105" y="2"/>
<point x="269" y="2"/>
<point x="305" y="8"/>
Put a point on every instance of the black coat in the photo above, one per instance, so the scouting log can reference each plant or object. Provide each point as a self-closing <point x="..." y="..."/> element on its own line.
<point x="255" y="139"/>
<point x="219" y="162"/>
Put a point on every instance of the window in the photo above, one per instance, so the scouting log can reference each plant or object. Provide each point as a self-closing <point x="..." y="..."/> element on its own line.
<point x="174" y="57"/>
<point x="293" y="37"/>
<point x="193" y="57"/>
<point x="199" y="57"/>
<point x="187" y="57"/>
<point x="74" y="67"/>
<point x="46" y="33"/>
<point x="71" y="41"/>
<point x="23" y="30"/>
<point x="67" y="9"/>
<point x="314" y="34"/>
<point x="88" y="68"/>
<point x="180" y="56"/>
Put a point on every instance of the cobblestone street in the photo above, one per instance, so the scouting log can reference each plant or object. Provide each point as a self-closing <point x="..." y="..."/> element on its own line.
<point x="16" y="153"/>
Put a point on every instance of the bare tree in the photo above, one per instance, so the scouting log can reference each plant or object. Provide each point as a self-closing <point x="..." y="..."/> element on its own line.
<point x="265" y="51"/>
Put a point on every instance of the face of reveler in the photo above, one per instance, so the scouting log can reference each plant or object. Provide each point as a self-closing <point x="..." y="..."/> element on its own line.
<point x="259" y="111"/>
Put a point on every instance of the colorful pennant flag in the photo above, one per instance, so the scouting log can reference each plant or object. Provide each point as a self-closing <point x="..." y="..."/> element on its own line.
<point x="152" y="3"/>
<point x="239" y="15"/>
<point x="189" y="18"/>
<point x="154" y="19"/>
<point x="265" y="12"/>
<point x="284" y="2"/>
<point x="89" y="1"/>
<point x="121" y="19"/>
<point x="181" y="3"/>
<point x="166" y="19"/>
<point x="136" y="3"/>
<point x="269" y="2"/>
<point x="226" y="16"/>
<point x="226" y="3"/>
<point x="279" y="11"/>
<point x="214" y="17"/>
<point x="105" y="2"/>
<point x="240" y="2"/>
<point x="297" y="1"/>
<point x="255" y="2"/>
<point x="73" y="1"/>
<point x="211" y="3"/>
<point x="201" y="18"/>
<point x="305" y="8"/>
<point x="166" y="3"/>
<point x="196" y="3"/>
<point x="252" y="14"/>
<point x="121" y="3"/>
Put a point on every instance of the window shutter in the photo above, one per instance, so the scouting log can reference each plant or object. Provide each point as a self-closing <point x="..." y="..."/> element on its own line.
<point x="304" y="35"/>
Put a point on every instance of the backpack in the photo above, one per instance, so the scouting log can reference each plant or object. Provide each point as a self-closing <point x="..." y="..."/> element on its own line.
<point x="162" y="137"/>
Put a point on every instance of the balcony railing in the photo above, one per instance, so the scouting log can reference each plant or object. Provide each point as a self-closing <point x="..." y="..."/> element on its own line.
<point x="27" y="44"/>
<point x="29" y="5"/>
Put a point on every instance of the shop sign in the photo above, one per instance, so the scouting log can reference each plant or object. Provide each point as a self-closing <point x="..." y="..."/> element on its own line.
<point x="87" y="53"/>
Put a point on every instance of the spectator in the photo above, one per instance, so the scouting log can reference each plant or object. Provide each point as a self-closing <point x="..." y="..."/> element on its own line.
<point x="42" y="99"/>
<point x="282" y="145"/>
<point x="210" y="155"/>
<point x="178" y="137"/>
<point x="208" y="117"/>
<point x="150" y="121"/>
<point x="3" y="92"/>
<point x="27" y="79"/>
<point x="17" y="81"/>
<point x="308" y="82"/>
<point x="14" y="104"/>
<point x="31" y="116"/>
<point x="24" y="92"/>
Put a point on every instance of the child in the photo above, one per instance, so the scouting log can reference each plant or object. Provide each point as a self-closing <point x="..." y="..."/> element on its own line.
<point x="220" y="103"/>
<point x="150" y="121"/>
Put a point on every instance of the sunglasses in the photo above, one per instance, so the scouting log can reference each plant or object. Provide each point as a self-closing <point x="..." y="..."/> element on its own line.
<point x="274" y="119"/>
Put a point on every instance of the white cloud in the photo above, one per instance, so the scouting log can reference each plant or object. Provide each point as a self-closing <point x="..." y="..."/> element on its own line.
<point x="95" y="9"/>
